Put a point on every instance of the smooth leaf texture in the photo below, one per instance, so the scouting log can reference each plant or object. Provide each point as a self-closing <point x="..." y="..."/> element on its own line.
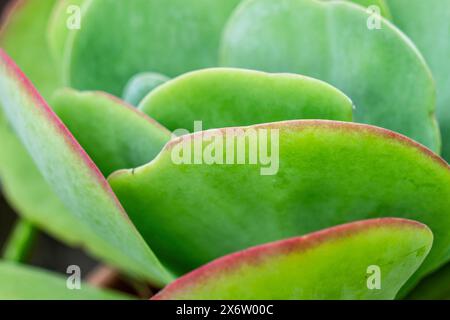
<point x="173" y="38"/>
<point x="225" y="97"/>
<point x="24" y="26"/>
<point x="114" y="134"/>
<point x="18" y="282"/>
<point x="379" y="69"/>
<point x="63" y="19"/>
<point x="427" y="23"/>
<point x="329" y="173"/>
<point x="381" y="4"/>
<point x="329" y="264"/>
<point x="141" y="85"/>
<point x="100" y="219"/>
<point x="29" y="194"/>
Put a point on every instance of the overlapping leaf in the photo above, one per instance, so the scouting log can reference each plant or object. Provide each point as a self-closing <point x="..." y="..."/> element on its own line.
<point x="224" y="97"/>
<point x="173" y="38"/>
<point x="19" y="243"/>
<point x="335" y="263"/>
<point x="378" y="68"/>
<point x="18" y="282"/>
<point x="100" y="223"/>
<point x="114" y="134"/>
<point x="329" y="173"/>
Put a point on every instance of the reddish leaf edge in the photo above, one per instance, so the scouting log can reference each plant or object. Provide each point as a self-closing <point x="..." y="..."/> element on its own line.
<point x="301" y="125"/>
<point x="42" y="106"/>
<point x="259" y="254"/>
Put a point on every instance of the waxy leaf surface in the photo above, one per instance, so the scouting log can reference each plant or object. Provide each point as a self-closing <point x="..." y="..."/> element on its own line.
<point x="344" y="262"/>
<point x="65" y="17"/>
<point x="20" y="241"/>
<point x="23" y="37"/>
<point x="23" y="29"/>
<point x="169" y="37"/>
<point x="113" y="133"/>
<point x="433" y="287"/>
<point x="381" y="4"/>
<point x="75" y="179"/>
<point x="379" y="69"/>
<point x="427" y="23"/>
<point x="225" y="97"/>
<point x="329" y="173"/>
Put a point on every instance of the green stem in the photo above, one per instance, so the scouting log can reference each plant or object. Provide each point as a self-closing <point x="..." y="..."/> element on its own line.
<point x="20" y="242"/>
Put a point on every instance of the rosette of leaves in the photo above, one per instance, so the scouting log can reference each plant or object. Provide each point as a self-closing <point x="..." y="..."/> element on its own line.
<point x="360" y="182"/>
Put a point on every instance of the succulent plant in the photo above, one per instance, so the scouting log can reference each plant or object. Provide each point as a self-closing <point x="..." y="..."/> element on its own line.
<point x="123" y="135"/>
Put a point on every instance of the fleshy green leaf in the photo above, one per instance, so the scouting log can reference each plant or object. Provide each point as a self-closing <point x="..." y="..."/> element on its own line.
<point x="29" y="194"/>
<point x="24" y="30"/>
<point x="141" y="85"/>
<point x="22" y="183"/>
<point x="338" y="263"/>
<point x="229" y="97"/>
<point x="114" y="134"/>
<point x="427" y="23"/>
<point x="381" y="4"/>
<point x="18" y="282"/>
<point x="64" y="14"/>
<point x="174" y="38"/>
<point x="379" y="69"/>
<point x="95" y="211"/>
<point x="329" y="173"/>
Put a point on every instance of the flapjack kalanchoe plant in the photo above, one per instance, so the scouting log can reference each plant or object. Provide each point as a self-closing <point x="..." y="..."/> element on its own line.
<point x="345" y="177"/>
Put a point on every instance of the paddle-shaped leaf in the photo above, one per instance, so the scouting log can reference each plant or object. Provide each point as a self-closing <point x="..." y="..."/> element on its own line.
<point x="141" y="85"/>
<point x="427" y="23"/>
<point x="114" y="134"/>
<point x="337" y="263"/>
<point x="329" y="173"/>
<point x="174" y="38"/>
<point x="23" y="27"/>
<point x="379" y="69"/>
<point x="18" y="282"/>
<point x="234" y="97"/>
<point x="73" y="176"/>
